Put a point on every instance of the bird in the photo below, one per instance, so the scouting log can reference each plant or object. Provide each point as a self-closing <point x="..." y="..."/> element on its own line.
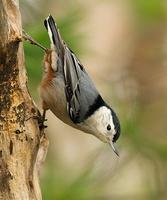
<point x="69" y="92"/>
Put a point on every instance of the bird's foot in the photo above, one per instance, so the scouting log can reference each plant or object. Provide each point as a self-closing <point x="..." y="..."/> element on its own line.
<point x="40" y="118"/>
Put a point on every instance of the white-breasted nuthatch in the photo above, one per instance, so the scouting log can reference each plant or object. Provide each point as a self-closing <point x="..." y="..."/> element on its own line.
<point x="68" y="91"/>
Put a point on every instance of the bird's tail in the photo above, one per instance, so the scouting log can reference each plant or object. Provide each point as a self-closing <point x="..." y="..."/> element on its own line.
<point x="54" y="35"/>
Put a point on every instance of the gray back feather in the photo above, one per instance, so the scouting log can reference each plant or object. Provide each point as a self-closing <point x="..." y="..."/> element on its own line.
<point x="80" y="91"/>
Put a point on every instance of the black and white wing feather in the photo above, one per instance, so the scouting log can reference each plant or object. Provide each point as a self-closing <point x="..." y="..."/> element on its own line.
<point x="82" y="96"/>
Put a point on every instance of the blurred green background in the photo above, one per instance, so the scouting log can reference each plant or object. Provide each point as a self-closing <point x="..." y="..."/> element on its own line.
<point x="123" y="45"/>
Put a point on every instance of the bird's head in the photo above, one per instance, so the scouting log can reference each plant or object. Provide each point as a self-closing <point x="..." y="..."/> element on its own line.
<point x="105" y="125"/>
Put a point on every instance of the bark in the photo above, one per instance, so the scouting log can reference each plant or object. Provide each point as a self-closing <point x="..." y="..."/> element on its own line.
<point x="22" y="144"/>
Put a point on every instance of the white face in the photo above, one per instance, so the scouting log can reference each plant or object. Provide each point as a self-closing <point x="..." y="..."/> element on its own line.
<point x="101" y="124"/>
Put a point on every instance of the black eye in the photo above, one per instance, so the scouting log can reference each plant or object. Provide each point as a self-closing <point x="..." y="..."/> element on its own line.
<point x="108" y="127"/>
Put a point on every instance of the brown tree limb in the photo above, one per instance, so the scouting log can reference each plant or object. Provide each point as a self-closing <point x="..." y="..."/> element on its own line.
<point x="23" y="145"/>
<point x="32" y="41"/>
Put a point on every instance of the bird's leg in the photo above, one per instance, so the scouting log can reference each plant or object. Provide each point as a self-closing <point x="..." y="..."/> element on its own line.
<point x="32" y="41"/>
<point x="42" y="119"/>
<point x="43" y="115"/>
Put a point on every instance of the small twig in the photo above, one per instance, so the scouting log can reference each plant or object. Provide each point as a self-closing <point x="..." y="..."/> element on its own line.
<point x="32" y="41"/>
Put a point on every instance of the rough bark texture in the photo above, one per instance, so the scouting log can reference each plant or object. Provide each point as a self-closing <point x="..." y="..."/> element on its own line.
<point x="22" y="144"/>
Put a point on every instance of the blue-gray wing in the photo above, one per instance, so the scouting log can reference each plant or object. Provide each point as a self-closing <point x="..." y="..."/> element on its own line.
<point x="82" y="96"/>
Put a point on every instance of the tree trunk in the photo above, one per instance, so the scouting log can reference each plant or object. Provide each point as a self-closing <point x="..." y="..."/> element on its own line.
<point x="22" y="144"/>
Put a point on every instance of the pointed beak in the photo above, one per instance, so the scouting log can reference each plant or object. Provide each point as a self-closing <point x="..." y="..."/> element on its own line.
<point x="112" y="144"/>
